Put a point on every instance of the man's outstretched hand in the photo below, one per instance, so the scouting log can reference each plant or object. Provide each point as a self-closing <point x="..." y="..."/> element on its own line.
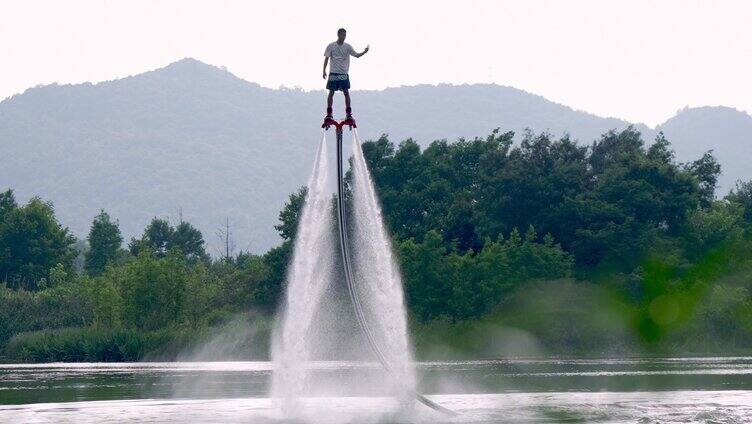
<point x="368" y="47"/>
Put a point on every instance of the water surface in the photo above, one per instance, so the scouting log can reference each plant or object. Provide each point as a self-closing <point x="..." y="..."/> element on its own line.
<point x="708" y="390"/>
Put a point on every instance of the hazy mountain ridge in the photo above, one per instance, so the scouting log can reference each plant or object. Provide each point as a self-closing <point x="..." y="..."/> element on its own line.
<point x="195" y="137"/>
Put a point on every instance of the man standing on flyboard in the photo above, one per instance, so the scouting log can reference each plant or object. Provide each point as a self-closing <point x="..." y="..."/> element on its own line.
<point x="339" y="52"/>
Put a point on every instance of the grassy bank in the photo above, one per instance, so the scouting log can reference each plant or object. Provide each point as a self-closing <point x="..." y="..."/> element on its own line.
<point x="238" y="339"/>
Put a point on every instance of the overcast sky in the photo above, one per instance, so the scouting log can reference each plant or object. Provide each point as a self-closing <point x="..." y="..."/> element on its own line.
<point x="636" y="60"/>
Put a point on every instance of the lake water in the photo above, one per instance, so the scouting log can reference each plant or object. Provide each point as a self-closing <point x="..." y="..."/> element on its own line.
<point x="673" y="390"/>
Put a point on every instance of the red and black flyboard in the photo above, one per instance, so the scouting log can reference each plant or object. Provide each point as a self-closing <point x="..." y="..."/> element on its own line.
<point x="329" y="122"/>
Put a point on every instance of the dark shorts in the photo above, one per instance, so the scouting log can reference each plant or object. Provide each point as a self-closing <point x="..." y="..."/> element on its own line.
<point x="338" y="82"/>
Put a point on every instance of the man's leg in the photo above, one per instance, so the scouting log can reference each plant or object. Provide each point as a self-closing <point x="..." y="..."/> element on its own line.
<point x="329" y="101"/>
<point x="348" y="110"/>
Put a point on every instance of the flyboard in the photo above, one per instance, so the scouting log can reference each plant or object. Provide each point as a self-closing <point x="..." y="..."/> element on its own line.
<point x="344" y="247"/>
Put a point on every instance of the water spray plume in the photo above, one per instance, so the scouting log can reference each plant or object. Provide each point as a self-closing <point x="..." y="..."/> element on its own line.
<point x="309" y="275"/>
<point x="374" y="283"/>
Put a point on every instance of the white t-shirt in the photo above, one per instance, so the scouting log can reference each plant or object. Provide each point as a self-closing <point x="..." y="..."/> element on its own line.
<point x="339" y="57"/>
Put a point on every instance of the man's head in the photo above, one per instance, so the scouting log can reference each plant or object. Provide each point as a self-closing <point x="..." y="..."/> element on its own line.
<point x="341" y="34"/>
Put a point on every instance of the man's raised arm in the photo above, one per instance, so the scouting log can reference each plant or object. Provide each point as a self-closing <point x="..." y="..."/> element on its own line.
<point x="363" y="52"/>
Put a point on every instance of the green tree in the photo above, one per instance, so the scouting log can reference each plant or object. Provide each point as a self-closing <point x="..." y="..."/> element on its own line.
<point x="104" y="244"/>
<point x="32" y="242"/>
<point x="105" y="299"/>
<point x="706" y="170"/>
<point x="268" y="277"/>
<point x="160" y="237"/>
<point x="200" y="292"/>
<point x="189" y="240"/>
<point x="152" y="290"/>
<point x="712" y="227"/>
<point x="7" y="203"/>
<point x="532" y="185"/>
<point x="636" y="197"/>
<point x="58" y="276"/>
<point x="427" y="286"/>
<point x="252" y="285"/>
<point x="741" y="195"/>
<point x="290" y="214"/>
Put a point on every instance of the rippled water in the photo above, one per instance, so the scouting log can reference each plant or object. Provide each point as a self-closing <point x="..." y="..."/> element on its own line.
<point x="708" y="390"/>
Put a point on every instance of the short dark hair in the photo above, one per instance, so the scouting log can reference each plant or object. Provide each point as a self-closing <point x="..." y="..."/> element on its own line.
<point x="341" y="31"/>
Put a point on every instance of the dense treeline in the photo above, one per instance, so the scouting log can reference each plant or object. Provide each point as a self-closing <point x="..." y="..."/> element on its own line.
<point x="586" y="249"/>
<point x="641" y="233"/>
<point x="605" y="204"/>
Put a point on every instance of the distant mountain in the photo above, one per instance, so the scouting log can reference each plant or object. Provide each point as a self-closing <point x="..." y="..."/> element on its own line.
<point x="727" y="131"/>
<point x="194" y="139"/>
